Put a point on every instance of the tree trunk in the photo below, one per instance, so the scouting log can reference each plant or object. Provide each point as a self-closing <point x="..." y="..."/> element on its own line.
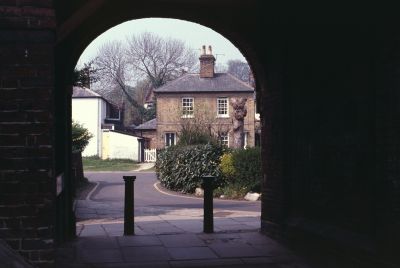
<point x="240" y="112"/>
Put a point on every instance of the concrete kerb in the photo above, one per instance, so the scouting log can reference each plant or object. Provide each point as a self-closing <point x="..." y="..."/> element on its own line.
<point x="158" y="187"/>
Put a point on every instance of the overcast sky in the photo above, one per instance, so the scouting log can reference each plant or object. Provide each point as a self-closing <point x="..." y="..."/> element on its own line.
<point x="193" y="34"/>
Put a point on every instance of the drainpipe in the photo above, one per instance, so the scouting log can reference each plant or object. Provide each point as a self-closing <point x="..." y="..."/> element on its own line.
<point x="99" y="130"/>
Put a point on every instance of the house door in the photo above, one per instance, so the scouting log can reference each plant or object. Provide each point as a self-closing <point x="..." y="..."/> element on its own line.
<point x="169" y="139"/>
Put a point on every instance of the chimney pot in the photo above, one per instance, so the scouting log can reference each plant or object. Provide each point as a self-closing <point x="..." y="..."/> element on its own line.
<point x="209" y="50"/>
<point x="203" y="50"/>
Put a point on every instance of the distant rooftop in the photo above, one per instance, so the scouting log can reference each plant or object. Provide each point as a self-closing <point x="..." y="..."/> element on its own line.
<point x="83" y="92"/>
<point x="221" y="82"/>
<point x="151" y="124"/>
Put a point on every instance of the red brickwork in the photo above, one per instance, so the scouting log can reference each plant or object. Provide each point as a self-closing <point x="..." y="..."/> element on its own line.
<point x="207" y="66"/>
<point x="27" y="189"/>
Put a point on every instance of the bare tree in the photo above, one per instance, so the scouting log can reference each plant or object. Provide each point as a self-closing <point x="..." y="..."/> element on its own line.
<point x="240" y="69"/>
<point x="113" y="73"/>
<point x="159" y="59"/>
<point x="201" y="126"/>
<point x="144" y="60"/>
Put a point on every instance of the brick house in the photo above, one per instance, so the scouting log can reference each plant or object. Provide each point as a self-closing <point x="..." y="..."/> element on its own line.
<point x="148" y="131"/>
<point x="203" y="97"/>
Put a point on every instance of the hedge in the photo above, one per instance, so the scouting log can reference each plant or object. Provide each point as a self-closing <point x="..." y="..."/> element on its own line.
<point x="181" y="168"/>
<point x="242" y="169"/>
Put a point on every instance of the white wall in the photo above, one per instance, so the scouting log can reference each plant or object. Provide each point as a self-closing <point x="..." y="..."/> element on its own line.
<point x="122" y="146"/>
<point x="87" y="111"/>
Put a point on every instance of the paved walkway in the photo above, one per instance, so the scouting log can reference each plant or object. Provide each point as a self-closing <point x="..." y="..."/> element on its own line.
<point x="175" y="239"/>
<point x="144" y="166"/>
<point x="233" y="249"/>
<point x="168" y="232"/>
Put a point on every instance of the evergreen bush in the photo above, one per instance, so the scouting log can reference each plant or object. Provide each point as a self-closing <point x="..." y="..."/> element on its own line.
<point x="241" y="169"/>
<point x="248" y="170"/>
<point x="80" y="137"/>
<point x="181" y="168"/>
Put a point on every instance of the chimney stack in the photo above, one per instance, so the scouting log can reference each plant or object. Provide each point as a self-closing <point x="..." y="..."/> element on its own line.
<point x="207" y="62"/>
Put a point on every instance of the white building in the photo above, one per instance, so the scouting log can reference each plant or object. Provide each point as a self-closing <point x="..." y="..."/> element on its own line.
<point x="100" y="117"/>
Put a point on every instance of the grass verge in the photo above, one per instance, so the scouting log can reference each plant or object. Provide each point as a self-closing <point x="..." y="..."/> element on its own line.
<point x="97" y="164"/>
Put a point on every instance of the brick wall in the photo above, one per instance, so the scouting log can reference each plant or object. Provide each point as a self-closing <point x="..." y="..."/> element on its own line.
<point x="207" y="63"/>
<point x="169" y="110"/>
<point x="26" y="149"/>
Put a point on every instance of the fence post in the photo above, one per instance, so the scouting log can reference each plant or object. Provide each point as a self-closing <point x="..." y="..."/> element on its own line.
<point x="208" y="223"/>
<point x="129" y="228"/>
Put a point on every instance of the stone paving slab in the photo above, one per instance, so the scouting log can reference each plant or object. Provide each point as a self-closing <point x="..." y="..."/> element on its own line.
<point x="181" y="240"/>
<point x="142" y="254"/>
<point x="99" y="255"/>
<point x="206" y="263"/>
<point x="156" y="264"/>
<point x="139" y="241"/>
<point x="191" y="253"/>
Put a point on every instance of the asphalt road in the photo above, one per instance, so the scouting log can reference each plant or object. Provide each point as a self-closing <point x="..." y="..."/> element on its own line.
<point x="111" y="190"/>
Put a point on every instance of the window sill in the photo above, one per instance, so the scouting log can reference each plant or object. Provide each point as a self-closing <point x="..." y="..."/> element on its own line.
<point x="222" y="116"/>
<point x="187" y="116"/>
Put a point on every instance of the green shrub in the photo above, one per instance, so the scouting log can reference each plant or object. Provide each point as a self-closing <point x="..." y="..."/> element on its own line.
<point x="241" y="169"/>
<point x="247" y="164"/>
<point x="80" y="137"/>
<point x="181" y="168"/>
<point x="227" y="165"/>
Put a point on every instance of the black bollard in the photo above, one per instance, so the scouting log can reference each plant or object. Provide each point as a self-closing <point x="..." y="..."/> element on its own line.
<point x="129" y="228"/>
<point x="208" y="223"/>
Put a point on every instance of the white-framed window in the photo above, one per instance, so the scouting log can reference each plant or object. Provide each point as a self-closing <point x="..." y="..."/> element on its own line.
<point x="222" y="107"/>
<point x="187" y="107"/>
<point x="170" y="139"/>
<point x="224" y="139"/>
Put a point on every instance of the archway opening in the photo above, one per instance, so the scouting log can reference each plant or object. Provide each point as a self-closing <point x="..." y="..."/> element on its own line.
<point x="82" y="92"/>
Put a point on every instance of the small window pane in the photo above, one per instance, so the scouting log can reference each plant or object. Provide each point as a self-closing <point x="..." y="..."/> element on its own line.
<point x="222" y="106"/>
<point x="187" y="107"/>
<point x="224" y="139"/>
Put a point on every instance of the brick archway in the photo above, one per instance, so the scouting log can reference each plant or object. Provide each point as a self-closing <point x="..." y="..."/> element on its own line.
<point x="328" y="91"/>
<point x="83" y="27"/>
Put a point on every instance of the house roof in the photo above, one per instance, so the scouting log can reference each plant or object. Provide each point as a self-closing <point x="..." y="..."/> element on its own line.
<point x="221" y="82"/>
<point x="151" y="124"/>
<point x="83" y="92"/>
<point x="149" y="95"/>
